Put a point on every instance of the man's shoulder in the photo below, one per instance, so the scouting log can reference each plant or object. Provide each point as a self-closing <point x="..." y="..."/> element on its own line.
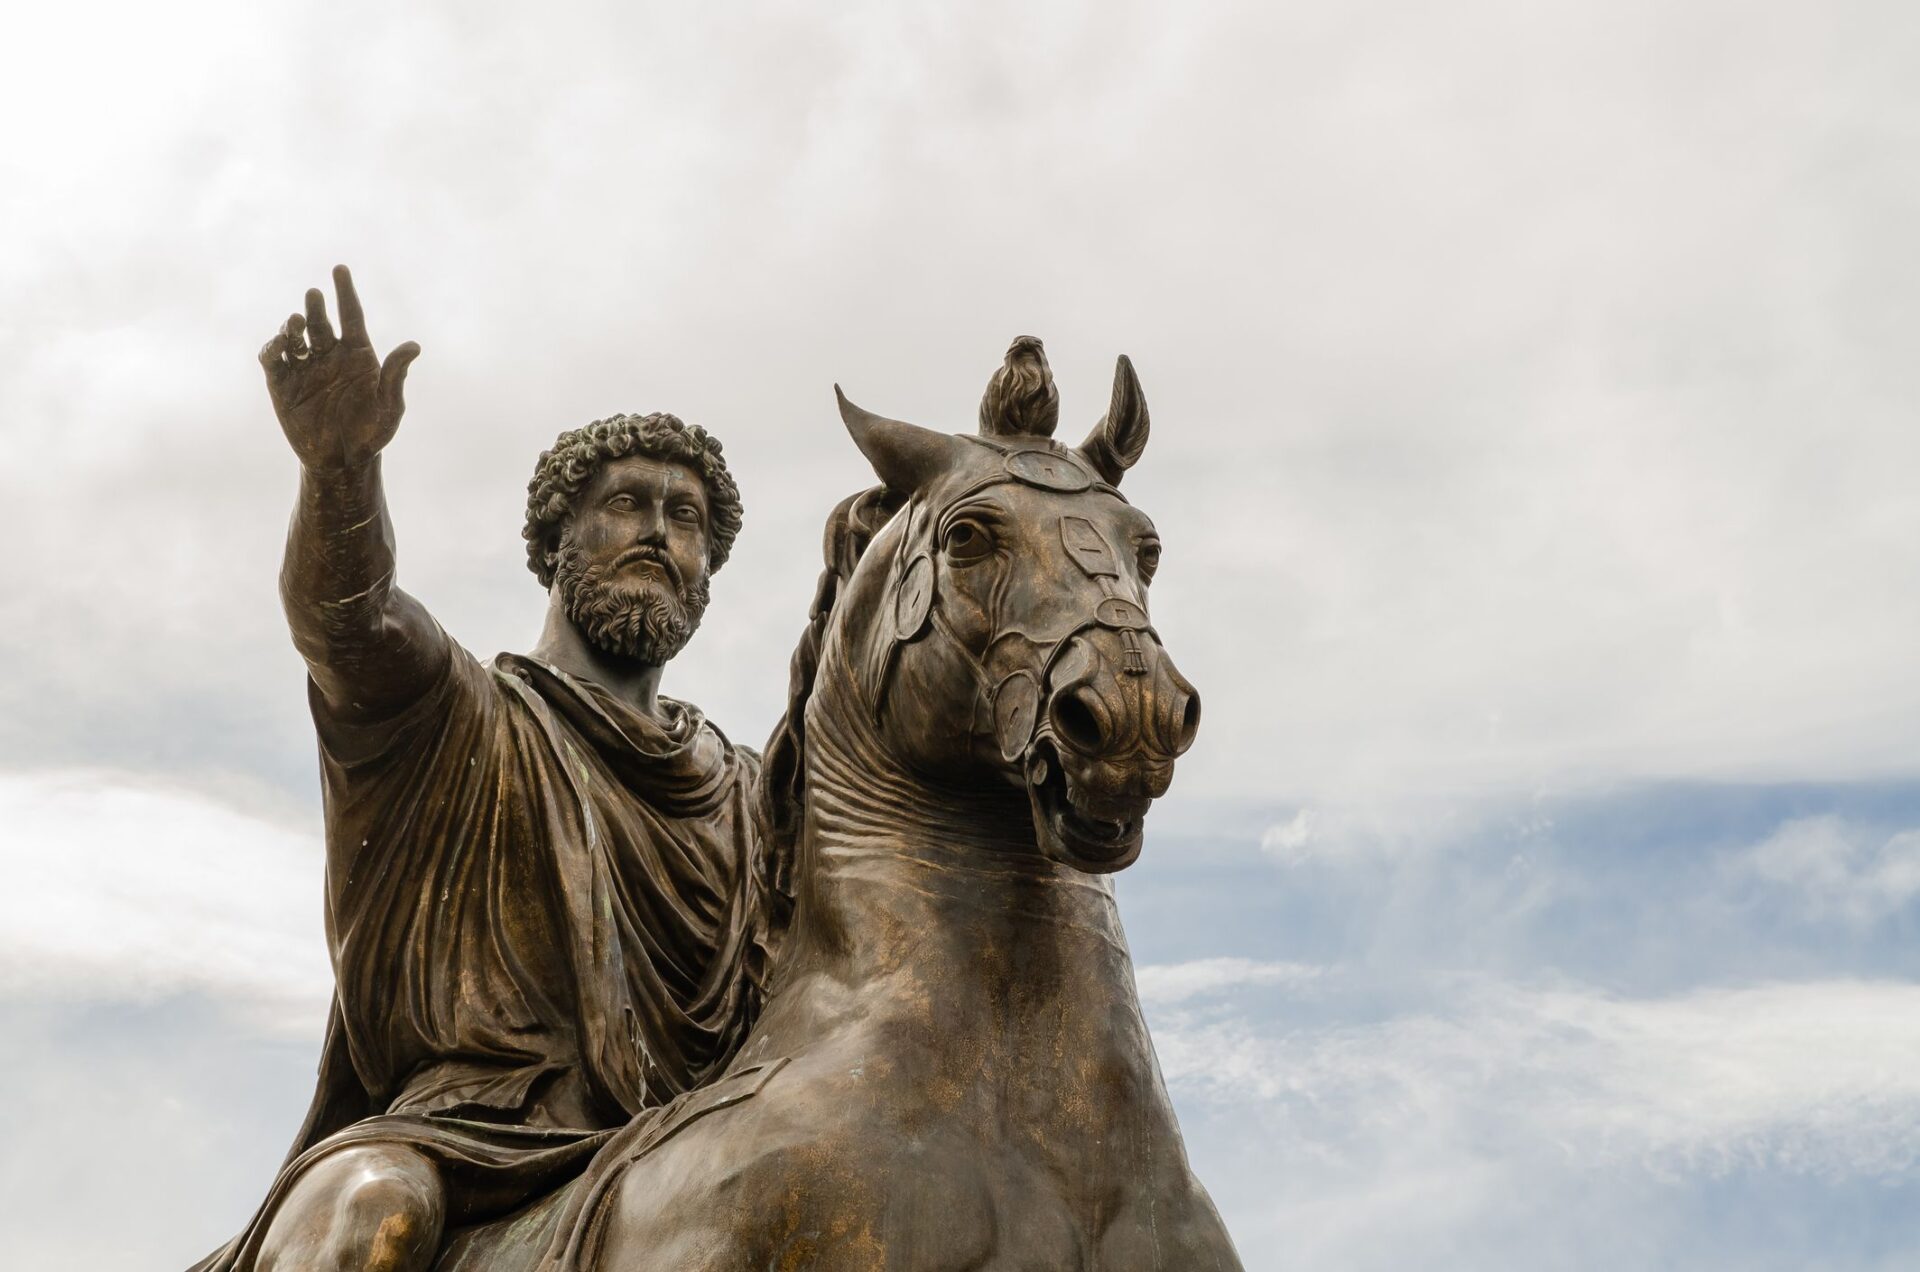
<point x="459" y="690"/>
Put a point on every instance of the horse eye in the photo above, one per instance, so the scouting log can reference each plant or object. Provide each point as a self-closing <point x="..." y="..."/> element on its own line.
<point x="1149" y="559"/>
<point x="967" y="542"/>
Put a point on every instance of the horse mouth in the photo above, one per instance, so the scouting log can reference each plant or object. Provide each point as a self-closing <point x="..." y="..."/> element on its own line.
<point x="1073" y="829"/>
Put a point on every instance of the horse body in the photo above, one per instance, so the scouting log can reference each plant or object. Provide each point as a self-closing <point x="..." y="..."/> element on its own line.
<point x="965" y="1080"/>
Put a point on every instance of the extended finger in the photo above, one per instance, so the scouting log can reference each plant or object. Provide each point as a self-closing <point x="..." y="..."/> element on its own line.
<point x="319" y="330"/>
<point x="393" y="377"/>
<point x="353" y="323"/>
<point x="273" y="356"/>
<point x="295" y="331"/>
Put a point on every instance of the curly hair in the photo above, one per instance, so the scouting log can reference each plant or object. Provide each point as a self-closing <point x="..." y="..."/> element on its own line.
<point x="578" y="453"/>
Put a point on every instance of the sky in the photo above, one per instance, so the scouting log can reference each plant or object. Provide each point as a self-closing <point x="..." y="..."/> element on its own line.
<point x="1533" y="391"/>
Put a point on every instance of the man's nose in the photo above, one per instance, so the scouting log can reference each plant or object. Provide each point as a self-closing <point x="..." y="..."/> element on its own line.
<point x="652" y="526"/>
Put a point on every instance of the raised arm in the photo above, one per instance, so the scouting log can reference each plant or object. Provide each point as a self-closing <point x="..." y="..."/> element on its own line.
<point x="370" y="648"/>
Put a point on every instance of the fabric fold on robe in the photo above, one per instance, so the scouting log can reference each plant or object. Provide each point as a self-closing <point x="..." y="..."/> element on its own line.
<point x="544" y="919"/>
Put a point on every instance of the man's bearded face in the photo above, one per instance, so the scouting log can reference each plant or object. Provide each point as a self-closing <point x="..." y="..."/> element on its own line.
<point x="646" y="619"/>
<point x="631" y="566"/>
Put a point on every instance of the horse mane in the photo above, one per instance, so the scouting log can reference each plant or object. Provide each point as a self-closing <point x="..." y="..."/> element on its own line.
<point x="781" y="800"/>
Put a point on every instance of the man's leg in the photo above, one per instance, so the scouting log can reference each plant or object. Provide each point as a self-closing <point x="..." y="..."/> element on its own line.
<point x="369" y="1208"/>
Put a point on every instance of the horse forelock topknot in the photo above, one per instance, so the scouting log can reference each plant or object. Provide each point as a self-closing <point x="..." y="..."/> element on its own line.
<point x="565" y="469"/>
<point x="1021" y="399"/>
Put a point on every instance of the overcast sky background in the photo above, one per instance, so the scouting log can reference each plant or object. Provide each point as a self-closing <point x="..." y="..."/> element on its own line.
<point x="1535" y="443"/>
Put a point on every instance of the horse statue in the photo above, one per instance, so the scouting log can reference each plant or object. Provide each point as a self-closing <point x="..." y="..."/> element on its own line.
<point x="952" y="1071"/>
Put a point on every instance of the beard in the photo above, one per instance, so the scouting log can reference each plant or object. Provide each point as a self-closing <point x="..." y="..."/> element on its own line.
<point x="646" y="620"/>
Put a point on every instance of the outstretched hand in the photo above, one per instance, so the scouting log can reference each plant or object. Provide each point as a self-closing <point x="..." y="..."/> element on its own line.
<point x="338" y="404"/>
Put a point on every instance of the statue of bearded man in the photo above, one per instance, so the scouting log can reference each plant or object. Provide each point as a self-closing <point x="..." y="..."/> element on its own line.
<point x="540" y="897"/>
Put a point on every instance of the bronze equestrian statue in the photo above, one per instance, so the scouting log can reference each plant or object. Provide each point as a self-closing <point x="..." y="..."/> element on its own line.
<point x="557" y="1044"/>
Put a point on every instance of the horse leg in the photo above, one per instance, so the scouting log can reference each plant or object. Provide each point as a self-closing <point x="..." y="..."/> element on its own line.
<point x="369" y="1208"/>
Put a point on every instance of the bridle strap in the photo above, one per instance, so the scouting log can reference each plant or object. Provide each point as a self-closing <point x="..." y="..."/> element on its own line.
<point x="1014" y="734"/>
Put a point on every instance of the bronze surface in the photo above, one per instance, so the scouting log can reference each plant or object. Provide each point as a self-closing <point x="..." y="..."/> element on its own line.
<point x="614" y="995"/>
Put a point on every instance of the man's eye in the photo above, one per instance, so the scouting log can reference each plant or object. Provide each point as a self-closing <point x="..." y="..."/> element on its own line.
<point x="687" y="513"/>
<point x="622" y="503"/>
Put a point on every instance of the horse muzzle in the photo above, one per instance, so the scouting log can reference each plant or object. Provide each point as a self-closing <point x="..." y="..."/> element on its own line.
<point x="1117" y="714"/>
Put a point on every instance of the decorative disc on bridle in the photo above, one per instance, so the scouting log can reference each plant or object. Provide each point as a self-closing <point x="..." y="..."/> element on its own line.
<point x="914" y="600"/>
<point x="1049" y="470"/>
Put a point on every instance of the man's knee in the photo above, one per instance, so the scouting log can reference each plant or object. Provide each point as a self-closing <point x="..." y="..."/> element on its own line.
<point x="371" y="1208"/>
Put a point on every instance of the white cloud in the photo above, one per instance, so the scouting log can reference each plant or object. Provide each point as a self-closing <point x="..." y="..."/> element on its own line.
<point x="1166" y="983"/>
<point x="123" y="891"/>
<point x="1577" y="465"/>
<point x="1291" y="840"/>
<point x="1398" y="829"/>
<point x="1807" y="1076"/>
<point x="1838" y="868"/>
<point x="1475" y="1119"/>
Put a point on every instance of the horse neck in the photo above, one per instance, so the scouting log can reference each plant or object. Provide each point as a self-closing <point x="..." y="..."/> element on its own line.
<point x="905" y="884"/>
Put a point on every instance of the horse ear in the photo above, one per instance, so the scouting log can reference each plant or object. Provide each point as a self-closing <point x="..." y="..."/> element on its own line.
<point x="904" y="456"/>
<point x="1121" y="435"/>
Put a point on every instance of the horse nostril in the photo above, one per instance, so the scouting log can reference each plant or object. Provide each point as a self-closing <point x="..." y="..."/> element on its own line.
<point x="1189" y="723"/>
<point x="1077" y="723"/>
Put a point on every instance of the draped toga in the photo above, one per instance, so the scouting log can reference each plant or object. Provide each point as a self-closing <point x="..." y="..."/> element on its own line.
<point x="543" y="923"/>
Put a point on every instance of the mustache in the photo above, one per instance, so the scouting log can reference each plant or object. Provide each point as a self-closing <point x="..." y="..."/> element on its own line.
<point x="647" y="621"/>
<point x="645" y="552"/>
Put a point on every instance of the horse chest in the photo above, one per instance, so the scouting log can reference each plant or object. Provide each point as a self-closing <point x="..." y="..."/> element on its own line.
<point x="945" y="1181"/>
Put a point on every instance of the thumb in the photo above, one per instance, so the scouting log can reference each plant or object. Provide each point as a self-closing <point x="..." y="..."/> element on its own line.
<point x="393" y="377"/>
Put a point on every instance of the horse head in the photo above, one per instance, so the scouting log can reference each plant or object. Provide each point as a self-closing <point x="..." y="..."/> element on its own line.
<point x="999" y="633"/>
